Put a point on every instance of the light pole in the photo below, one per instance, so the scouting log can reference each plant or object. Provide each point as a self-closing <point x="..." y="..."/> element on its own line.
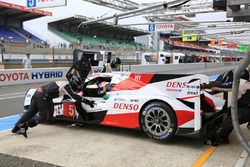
<point x="10" y="39"/>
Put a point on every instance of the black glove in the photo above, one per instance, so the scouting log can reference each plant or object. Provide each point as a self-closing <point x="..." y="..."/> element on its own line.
<point x="91" y="103"/>
<point x="206" y="86"/>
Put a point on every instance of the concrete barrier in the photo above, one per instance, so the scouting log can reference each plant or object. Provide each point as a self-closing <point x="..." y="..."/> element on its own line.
<point x="187" y="68"/>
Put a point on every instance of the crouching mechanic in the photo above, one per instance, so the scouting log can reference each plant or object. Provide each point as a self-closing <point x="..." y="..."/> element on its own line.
<point x="42" y="102"/>
<point x="222" y="132"/>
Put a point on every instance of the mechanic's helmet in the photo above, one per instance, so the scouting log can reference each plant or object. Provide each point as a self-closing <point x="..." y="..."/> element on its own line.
<point x="76" y="83"/>
<point x="115" y="61"/>
<point x="245" y="75"/>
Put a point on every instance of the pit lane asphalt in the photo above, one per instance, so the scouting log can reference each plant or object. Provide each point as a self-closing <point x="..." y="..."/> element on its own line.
<point x="92" y="145"/>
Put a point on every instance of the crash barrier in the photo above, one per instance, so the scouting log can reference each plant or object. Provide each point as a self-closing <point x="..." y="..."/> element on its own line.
<point x="184" y="68"/>
<point x="36" y="75"/>
<point x="25" y="76"/>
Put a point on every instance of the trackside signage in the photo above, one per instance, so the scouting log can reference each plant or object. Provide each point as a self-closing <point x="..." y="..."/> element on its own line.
<point x="15" y="77"/>
<point x="45" y="3"/>
<point x="161" y="27"/>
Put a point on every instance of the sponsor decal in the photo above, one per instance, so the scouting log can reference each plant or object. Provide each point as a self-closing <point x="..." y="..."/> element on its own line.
<point x="23" y="76"/>
<point x="170" y="132"/>
<point x="174" y="90"/>
<point x="134" y="100"/>
<point x="48" y="74"/>
<point x="119" y="99"/>
<point x="193" y="90"/>
<point x="171" y="84"/>
<point x="192" y="93"/>
<point x="175" y="86"/>
<point x="124" y="106"/>
<point x="137" y="77"/>
<point x="14" y="76"/>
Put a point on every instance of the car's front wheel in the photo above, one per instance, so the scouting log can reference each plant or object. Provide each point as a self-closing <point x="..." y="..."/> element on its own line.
<point x="158" y="121"/>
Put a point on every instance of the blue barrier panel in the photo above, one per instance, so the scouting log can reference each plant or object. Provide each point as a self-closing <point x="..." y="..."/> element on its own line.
<point x="8" y="123"/>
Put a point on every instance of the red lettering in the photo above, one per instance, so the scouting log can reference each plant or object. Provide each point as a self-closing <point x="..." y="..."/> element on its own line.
<point x="179" y="84"/>
<point x="130" y="107"/>
<point x="8" y="76"/>
<point x="136" y="107"/>
<point x="21" y="76"/>
<point x="2" y="77"/>
<point x="184" y="84"/>
<point x="169" y="84"/>
<point x="121" y="106"/>
<point x="15" y="76"/>
<point x="116" y="105"/>
<point x="124" y="106"/>
<point x="26" y="76"/>
<point x="174" y="84"/>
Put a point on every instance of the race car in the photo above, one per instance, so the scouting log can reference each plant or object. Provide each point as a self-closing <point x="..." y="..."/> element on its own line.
<point x="162" y="105"/>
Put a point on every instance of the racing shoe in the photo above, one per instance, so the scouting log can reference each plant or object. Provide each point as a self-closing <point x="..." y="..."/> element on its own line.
<point x="23" y="129"/>
<point x="15" y="129"/>
<point x="211" y="142"/>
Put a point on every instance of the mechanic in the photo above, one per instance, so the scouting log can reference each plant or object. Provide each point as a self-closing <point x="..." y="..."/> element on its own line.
<point x="42" y="102"/>
<point x="114" y="65"/>
<point x="222" y="132"/>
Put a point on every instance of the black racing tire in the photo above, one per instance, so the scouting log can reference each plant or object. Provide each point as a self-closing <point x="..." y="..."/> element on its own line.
<point x="158" y="121"/>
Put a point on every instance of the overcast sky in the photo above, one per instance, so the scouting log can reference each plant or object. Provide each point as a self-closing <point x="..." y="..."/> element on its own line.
<point x="80" y="7"/>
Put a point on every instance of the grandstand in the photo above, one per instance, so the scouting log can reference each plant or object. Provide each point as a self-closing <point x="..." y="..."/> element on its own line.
<point x="12" y="17"/>
<point x="100" y="35"/>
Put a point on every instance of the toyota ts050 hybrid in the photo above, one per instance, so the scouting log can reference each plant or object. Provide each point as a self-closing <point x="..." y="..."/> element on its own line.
<point x="162" y="105"/>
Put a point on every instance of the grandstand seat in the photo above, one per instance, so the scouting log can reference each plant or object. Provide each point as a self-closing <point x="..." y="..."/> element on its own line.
<point x="6" y="33"/>
<point x="27" y="34"/>
<point x="96" y="40"/>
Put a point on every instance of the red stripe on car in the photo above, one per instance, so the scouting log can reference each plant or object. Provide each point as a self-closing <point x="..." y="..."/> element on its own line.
<point x="184" y="116"/>
<point x="134" y="82"/>
<point x="210" y="101"/>
<point x="126" y="120"/>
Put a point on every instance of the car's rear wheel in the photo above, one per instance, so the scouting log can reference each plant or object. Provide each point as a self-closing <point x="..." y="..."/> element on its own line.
<point x="158" y="121"/>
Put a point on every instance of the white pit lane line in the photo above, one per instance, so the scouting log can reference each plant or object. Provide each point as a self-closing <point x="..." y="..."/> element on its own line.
<point x="12" y="95"/>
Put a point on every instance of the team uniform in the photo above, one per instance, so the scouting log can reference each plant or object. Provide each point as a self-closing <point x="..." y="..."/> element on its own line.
<point x="42" y="102"/>
<point x="225" y="128"/>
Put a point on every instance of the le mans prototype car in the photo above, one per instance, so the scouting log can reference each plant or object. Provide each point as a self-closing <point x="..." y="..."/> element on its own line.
<point x="162" y="105"/>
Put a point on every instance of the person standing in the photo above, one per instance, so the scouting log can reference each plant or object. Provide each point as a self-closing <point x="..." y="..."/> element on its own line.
<point x="27" y="62"/>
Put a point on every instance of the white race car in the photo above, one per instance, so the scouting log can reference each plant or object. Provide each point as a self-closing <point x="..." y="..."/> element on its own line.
<point x="162" y="105"/>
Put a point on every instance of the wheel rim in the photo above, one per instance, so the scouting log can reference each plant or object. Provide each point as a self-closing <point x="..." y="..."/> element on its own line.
<point x="157" y="121"/>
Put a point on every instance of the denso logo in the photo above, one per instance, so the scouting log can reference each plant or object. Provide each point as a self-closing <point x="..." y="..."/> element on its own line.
<point x="14" y="76"/>
<point x="49" y="74"/>
<point x="176" y="84"/>
<point x="124" y="106"/>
